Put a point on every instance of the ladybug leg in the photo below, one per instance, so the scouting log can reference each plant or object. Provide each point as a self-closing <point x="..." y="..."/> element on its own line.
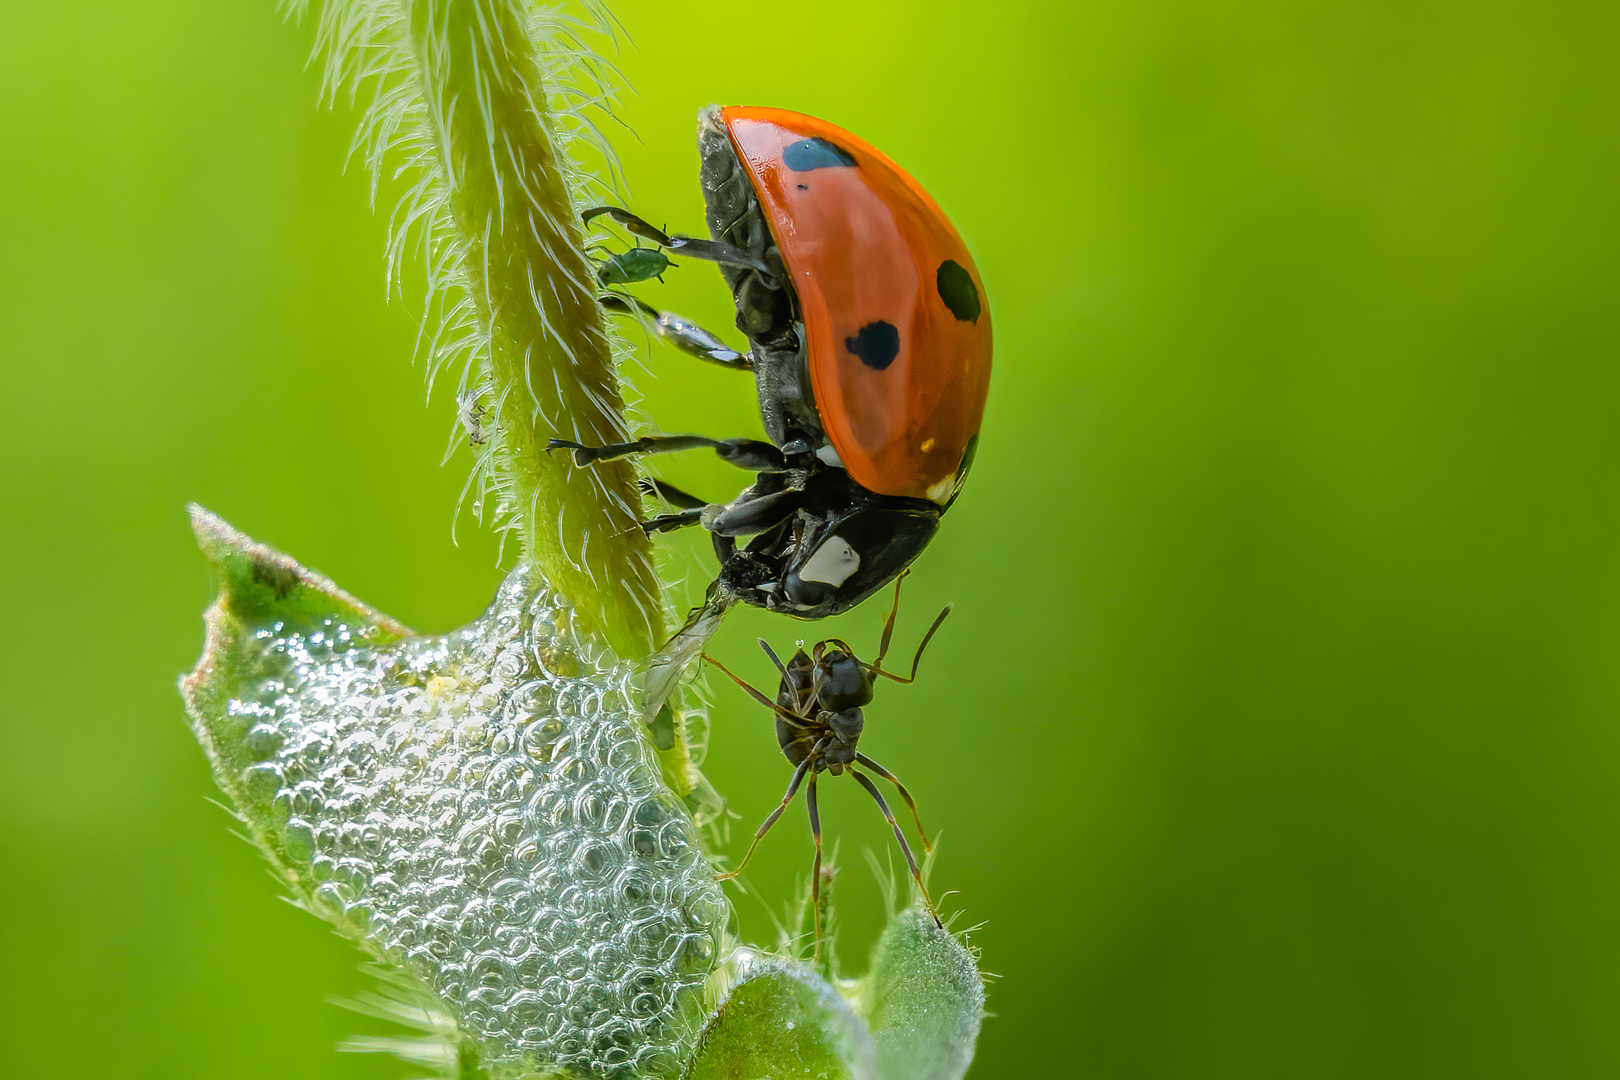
<point x="690" y="512"/>
<point x="724" y="254"/>
<point x="752" y="454"/>
<point x="680" y="519"/>
<point x="647" y="444"/>
<point x="746" y="517"/>
<point x="911" y="861"/>
<point x="671" y="494"/>
<point x="686" y="336"/>
<point x="697" y="248"/>
<point x="632" y="224"/>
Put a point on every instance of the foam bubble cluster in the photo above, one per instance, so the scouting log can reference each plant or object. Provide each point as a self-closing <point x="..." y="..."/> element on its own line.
<point x="484" y="807"/>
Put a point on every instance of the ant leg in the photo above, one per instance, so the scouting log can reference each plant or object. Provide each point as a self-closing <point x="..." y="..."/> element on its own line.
<point x="815" y="873"/>
<point x="911" y="861"/>
<point x="695" y="247"/>
<point x="792" y="719"/>
<point x="904" y="794"/>
<point x="753" y="693"/>
<point x="686" y="336"/>
<point x="755" y="455"/>
<point x="793" y="789"/>
<point x="917" y="657"/>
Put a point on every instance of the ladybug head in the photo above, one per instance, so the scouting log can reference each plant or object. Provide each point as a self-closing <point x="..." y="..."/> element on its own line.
<point x="842" y="558"/>
<point x="836" y="544"/>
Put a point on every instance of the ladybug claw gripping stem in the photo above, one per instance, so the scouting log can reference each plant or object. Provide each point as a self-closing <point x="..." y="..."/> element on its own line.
<point x="632" y="224"/>
<point x="583" y="455"/>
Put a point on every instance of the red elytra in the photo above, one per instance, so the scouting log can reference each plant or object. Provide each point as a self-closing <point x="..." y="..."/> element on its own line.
<point x="867" y="246"/>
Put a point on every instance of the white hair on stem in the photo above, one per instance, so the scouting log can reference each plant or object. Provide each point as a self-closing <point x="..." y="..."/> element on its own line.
<point x="482" y="110"/>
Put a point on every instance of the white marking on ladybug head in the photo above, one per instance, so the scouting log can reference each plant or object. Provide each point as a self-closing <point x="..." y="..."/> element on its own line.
<point x="832" y="563"/>
<point x="829" y="456"/>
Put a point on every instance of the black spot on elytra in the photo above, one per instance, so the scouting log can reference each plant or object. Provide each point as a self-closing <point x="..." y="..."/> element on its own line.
<point x="956" y="288"/>
<point x="802" y="187"/>
<point x="876" y="343"/>
<point x="810" y="154"/>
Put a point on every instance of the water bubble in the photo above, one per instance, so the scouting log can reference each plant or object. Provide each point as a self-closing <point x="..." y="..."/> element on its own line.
<point x="298" y="842"/>
<point x="596" y="862"/>
<point x="262" y="740"/>
<point x="543" y="741"/>
<point x="333" y="895"/>
<point x="262" y="781"/>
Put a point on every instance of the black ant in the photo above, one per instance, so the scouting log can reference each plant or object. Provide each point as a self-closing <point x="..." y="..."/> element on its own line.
<point x="818" y="723"/>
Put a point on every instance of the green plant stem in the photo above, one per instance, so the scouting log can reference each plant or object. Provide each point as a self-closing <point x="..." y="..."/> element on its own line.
<point x="551" y="371"/>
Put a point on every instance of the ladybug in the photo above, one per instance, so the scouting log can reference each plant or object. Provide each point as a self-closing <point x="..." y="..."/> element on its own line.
<point x="869" y="342"/>
<point x="819" y="709"/>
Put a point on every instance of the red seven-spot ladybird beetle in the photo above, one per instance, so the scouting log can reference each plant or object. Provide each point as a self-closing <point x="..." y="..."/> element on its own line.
<point x="870" y="348"/>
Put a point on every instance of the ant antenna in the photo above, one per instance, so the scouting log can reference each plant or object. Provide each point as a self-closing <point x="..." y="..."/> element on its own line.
<point x="770" y="652"/>
<point x="917" y="658"/>
<point x="888" y="624"/>
<point x="876" y="666"/>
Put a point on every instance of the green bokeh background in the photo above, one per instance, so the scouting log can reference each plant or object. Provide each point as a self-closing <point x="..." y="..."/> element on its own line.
<point x="1276" y="732"/>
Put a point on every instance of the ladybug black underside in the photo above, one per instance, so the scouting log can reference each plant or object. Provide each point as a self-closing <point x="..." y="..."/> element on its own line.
<point x="768" y="316"/>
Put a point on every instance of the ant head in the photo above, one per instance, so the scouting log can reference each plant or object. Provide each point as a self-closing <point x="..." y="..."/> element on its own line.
<point x="843" y="682"/>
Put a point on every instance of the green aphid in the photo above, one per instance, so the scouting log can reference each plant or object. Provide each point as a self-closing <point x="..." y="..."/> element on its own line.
<point x="629" y="267"/>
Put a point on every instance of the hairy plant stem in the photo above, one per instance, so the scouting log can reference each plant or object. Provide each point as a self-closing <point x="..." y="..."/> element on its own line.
<point x="550" y="364"/>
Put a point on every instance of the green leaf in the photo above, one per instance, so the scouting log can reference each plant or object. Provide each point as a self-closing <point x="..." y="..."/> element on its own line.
<point x="923" y="1000"/>
<point x="481" y="810"/>
<point x="782" y="1021"/>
